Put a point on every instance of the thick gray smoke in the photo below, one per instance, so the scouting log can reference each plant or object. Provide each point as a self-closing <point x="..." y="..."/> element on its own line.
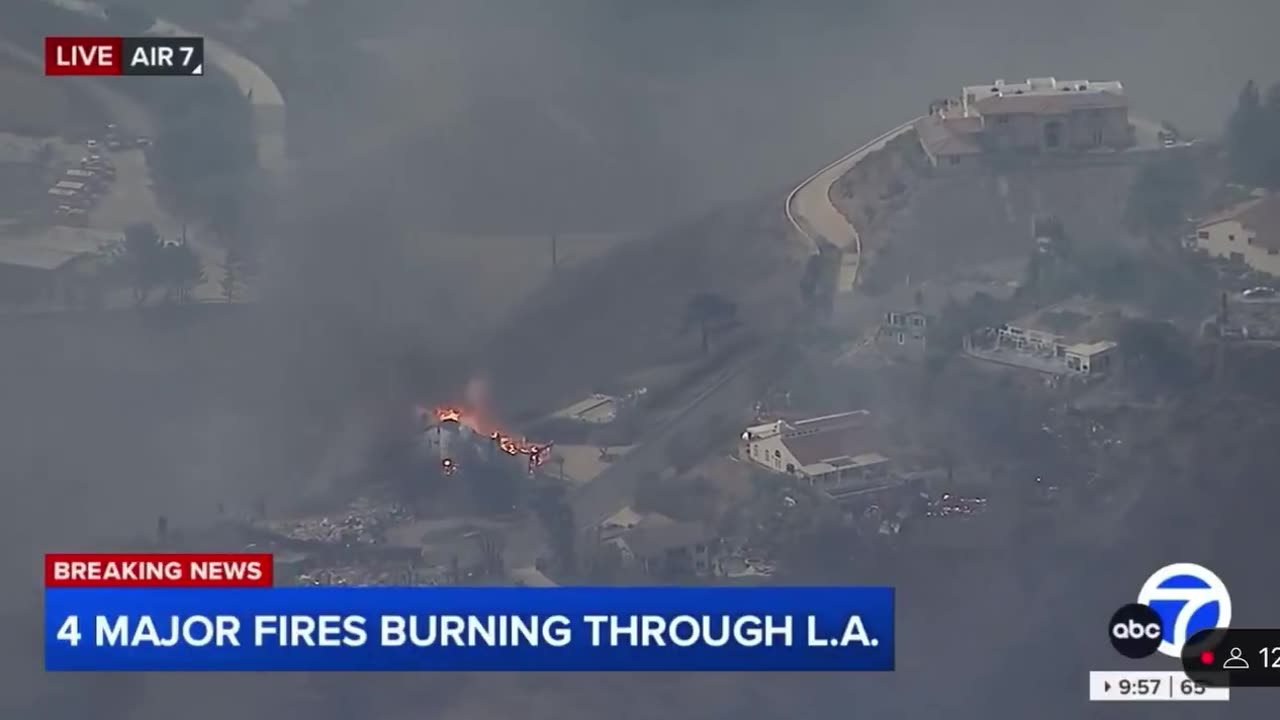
<point x="522" y="119"/>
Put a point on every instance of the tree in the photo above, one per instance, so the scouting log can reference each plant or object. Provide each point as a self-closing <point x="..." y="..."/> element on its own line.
<point x="143" y="257"/>
<point x="711" y="314"/>
<point x="1270" y="140"/>
<point x="557" y="517"/>
<point x="1246" y="137"/>
<point x="45" y="154"/>
<point x="204" y="158"/>
<point x="1162" y="195"/>
<point x="233" y="271"/>
<point x="183" y="271"/>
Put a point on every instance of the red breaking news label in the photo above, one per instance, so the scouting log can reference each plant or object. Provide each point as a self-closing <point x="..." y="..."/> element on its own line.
<point x="157" y="570"/>
<point x="82" y="55"/>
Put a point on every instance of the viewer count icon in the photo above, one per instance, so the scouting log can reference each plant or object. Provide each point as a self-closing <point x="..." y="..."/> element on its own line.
<point x="1236" y="660"/>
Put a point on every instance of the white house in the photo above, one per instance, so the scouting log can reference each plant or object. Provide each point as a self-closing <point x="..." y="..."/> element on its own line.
<point x="1094" y="358"/>
<point x="1056" y="353"/>
<point x="1248" y="233"/>
<point x="833" y="452"/>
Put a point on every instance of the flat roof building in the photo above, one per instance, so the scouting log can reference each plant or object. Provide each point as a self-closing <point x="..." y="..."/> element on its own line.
<point x="1040" y="115"/>
<point x="39" y="264"/>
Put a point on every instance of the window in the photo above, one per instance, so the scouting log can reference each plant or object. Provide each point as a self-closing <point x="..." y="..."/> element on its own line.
<point x="1231" y="238"/>
<point x="791" y="468"/>
<point x="1002" y="119"/>
<point x="1203" y="234"/>
<point x="954" y="160"/>
<point x="902" y="339"/>
<point x="777" y="453"/>
<point x="1273" y="251"/>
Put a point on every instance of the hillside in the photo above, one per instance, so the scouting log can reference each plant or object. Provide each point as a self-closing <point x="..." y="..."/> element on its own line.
<point x="918" y="225"/>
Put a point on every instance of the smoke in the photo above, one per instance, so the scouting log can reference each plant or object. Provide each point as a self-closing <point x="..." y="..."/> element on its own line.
<point x="516" y="119"/>
<point x="478" y="400"/>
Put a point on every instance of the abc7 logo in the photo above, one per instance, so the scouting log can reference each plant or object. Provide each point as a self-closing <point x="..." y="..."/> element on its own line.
<point x="1135" y="631"/>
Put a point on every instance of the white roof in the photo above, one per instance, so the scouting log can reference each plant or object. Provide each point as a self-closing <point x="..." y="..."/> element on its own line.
<point x="70" y="185"/>
<point x="624" y="518"/>
<point x="1042" y="86"/>
<point x="1092" y="348"/>
<point x="844" y="463"/>
<point x="35" y="257"/>
<point x="595" y="409"/>
<point x="51" y="248"/>
<point x="764" y="430"/>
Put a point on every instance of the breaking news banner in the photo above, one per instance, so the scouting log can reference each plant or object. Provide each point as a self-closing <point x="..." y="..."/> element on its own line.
<point x="219" y="613"/>
<point x="170" y="56"/>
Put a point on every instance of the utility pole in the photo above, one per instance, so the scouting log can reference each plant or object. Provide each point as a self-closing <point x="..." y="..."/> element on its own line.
<point x="1220" y="364"/>
<point x="555" y="259"/>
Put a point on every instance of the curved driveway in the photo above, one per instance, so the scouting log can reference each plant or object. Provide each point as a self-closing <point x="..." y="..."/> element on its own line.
<point x="257" y="87"/>
<point x="811" y="212"/>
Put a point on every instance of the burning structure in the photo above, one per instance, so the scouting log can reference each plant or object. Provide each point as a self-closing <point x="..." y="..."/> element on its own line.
<point x="455" y="437"/>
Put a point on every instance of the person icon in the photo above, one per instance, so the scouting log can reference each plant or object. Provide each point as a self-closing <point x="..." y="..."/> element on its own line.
<point x="1236" y="660"/>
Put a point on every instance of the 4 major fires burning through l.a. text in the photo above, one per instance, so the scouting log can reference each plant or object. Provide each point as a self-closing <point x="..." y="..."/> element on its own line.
<point x="508" y="443"/>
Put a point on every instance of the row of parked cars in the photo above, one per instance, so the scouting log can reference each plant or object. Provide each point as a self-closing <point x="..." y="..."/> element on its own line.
<point x="79" y="188"/>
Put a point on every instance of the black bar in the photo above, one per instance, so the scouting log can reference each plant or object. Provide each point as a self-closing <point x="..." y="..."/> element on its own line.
<point x="1237" y="657"/>
<point x="169" y="56"/>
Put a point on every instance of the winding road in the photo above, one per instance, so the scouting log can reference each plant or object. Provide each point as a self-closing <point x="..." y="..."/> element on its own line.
<point x="815" y="217"/>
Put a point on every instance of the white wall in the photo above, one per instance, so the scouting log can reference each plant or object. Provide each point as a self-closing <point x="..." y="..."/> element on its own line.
<point x="771" y="453"/>
<point x="1230" y="237"/>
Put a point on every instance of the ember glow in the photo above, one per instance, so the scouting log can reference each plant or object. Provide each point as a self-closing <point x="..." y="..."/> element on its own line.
<point x="510" y="444"/>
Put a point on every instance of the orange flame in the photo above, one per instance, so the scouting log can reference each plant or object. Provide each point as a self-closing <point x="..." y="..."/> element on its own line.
<point x="510" y="444"/>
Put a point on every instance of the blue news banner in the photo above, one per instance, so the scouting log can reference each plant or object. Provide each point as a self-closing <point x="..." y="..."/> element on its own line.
<point x="454" y="628"/>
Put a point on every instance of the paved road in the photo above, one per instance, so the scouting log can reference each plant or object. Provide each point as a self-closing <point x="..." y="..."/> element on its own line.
<point x="256" y="85"/>
<point x="811" y="212"/>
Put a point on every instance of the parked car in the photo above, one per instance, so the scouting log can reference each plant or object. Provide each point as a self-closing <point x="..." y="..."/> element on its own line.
<point x="1259" y="293"/>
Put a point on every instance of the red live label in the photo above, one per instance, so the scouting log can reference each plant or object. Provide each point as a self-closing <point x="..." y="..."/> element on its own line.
<point x="82" y="55"/>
